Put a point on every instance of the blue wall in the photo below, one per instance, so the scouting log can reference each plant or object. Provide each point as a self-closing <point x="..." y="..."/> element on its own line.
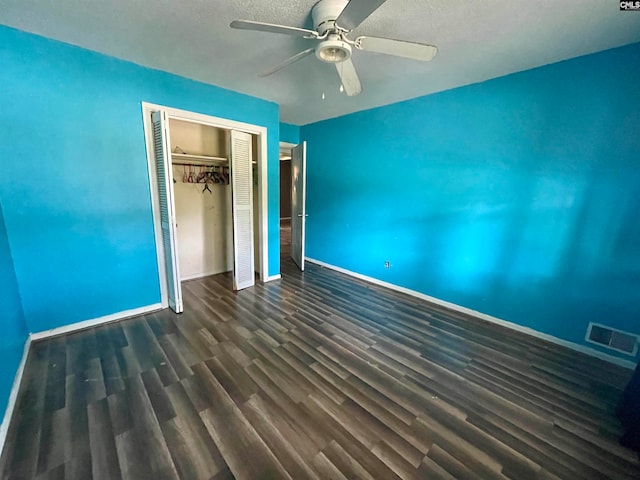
<point x="14" y="327"/>
<point x="74" y="181"/>
<point x="289" y="133"/>
<point x="518" y="197"/>
<point x="12" y="323"/>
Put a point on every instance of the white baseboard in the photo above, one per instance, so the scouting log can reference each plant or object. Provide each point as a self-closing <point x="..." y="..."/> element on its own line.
<point x="4" y="427"/>
<point x="204" y="274"/>
<point x="272" y="278"/>
<point x="96" y="321"/>
<point x="13" y="396"/>
<point x="483" y="316"/>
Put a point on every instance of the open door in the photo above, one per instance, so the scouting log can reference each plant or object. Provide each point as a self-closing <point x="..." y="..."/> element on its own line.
<point x="242" y="202"/>
<point x="298" y="199"/>
<point x="162" y="149"/>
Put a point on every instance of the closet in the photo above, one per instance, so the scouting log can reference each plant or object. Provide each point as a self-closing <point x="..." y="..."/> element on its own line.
<point x="207" y="197"/>
<point x="202" y="196"/>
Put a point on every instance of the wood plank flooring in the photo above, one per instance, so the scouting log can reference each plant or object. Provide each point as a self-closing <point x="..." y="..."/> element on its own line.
<point x="316" y="376"/>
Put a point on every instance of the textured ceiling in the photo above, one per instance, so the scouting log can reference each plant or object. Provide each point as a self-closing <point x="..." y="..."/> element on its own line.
<point x="477" y="40"/>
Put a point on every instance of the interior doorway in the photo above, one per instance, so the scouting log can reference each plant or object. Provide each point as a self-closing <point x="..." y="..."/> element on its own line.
<point x="285" y="200"/>
<point x="293" y="184"/>
<point x="226" y="162"/>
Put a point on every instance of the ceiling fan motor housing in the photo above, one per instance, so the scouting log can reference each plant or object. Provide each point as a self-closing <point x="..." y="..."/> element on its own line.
<point x="324" y="14"/>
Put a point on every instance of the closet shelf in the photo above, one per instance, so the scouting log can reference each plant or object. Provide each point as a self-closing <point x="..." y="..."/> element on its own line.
<point x="204" y="159"/>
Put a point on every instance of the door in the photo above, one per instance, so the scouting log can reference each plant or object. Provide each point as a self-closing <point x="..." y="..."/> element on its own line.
<point x="242" y="206"/>
<point x="298" y="199"/>
<point x="164" y="172"/>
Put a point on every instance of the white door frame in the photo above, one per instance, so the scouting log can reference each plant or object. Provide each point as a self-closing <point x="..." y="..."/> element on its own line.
<point x="187" y="116"/>
<point x="286" y="146"/>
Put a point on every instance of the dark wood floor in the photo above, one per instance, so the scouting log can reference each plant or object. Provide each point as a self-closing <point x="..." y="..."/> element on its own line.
<point x="315" y="376"/>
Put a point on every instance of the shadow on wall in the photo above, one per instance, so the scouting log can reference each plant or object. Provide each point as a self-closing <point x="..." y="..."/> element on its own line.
<point x="517" y="197"/>
<point x="543" y="249"/>
<point x="14" y="327"/>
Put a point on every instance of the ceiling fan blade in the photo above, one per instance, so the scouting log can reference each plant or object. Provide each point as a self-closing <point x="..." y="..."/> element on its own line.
<point x="356" y="12"/>
<point x="349" y="77"/>
<point x="399" y="48"/>
<point x="288" y="61"/>
<point x="272" y="28"/>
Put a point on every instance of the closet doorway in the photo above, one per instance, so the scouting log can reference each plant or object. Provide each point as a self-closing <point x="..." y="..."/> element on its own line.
<point x="208" y="185"/>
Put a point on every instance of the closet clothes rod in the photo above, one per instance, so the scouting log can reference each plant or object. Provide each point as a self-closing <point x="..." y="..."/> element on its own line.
<point x="186" y="157"/>
<point x="221" y="163"/>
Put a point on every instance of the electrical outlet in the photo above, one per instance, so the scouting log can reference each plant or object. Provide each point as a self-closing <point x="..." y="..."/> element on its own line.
<point x="387" y="264"/>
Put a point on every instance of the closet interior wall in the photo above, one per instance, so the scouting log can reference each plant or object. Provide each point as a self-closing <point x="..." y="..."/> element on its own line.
<point x="204" y="219"/>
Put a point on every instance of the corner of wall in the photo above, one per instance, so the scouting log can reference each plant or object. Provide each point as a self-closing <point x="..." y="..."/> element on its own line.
<point x="15" y="327"/>
<point x="289" y="133"/>
<point x="11" y="384"/>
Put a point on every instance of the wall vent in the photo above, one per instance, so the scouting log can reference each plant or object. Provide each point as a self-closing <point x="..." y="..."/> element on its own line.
<point x="612" y="338"/>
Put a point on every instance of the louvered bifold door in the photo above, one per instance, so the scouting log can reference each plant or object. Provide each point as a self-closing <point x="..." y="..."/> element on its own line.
<point x="162" y="148"/>
<point x="242" y="194"/>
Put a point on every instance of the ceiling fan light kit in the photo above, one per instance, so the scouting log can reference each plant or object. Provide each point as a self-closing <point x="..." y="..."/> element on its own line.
<point x="333" y="50"/>
<point x="333" y="20"/>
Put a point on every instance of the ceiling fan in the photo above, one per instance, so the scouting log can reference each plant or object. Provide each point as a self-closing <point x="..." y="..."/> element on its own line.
<point x="333" y="20"/>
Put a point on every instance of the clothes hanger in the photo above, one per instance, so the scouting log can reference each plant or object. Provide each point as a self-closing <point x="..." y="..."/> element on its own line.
<point x="216" y="175"/>
<point x="202" y="176"/>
